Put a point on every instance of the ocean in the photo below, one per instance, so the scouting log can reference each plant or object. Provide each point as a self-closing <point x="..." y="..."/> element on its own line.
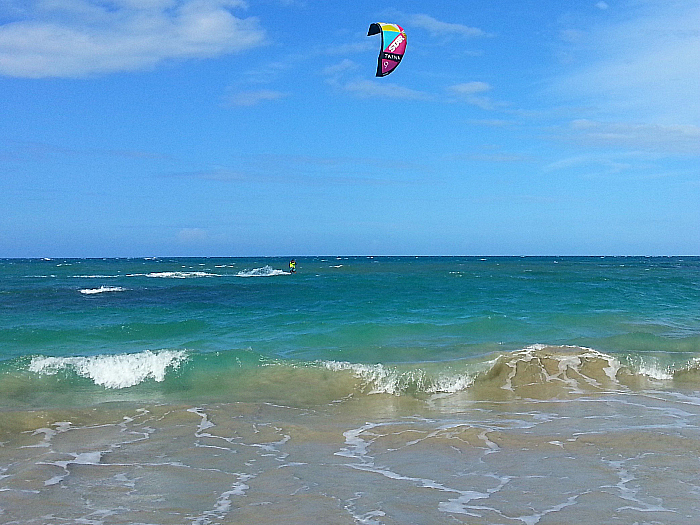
<point x="359" y="390"/>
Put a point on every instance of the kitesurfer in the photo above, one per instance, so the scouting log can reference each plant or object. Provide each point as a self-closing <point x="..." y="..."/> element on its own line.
<point x="293" y="266"/>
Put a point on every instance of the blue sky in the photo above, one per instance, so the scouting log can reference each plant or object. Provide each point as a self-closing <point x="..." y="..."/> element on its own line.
<point x="224" y="127"/>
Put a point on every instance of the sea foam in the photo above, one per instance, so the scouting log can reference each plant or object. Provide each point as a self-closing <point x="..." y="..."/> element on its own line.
<point x="382" y="379"/>
<point x="102" y="289"/>
<point x="114" y="371"/>
<point x="537" y="370"/>
<point x="265" y="271"/>
<point x="174" y="275"/>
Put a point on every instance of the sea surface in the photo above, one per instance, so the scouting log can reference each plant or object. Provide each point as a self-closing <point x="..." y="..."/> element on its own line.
<point x="359" y="390"/>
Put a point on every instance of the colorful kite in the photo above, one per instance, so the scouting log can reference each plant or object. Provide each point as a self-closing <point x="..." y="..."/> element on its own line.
<point x="393" y="46"/>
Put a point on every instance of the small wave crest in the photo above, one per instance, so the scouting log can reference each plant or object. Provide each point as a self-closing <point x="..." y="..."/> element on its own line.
<point x="113" y="371"/>
<point x="383" y="379"/>
<point x="541" y="371"/>
<point x="102" y="289"/>
<point x="96" y="276"/>
<point x="265" y="271"/>
<point x="537" y="371"/>
<point x="689" y="373"/>
<point x="174" y="275"/>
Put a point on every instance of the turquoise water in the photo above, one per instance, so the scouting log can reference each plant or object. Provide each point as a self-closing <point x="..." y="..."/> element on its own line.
<point x="416" y="313"/>
<point x="362" y="377"/>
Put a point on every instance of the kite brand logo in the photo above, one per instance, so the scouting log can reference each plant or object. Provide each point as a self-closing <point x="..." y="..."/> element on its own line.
<point x="392" y="56"/>
<point x="396" y="43"/>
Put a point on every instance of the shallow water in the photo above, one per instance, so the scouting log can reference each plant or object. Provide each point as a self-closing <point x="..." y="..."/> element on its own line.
<point x="627" y="457"/>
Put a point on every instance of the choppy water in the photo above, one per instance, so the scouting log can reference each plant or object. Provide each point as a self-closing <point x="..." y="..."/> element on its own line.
<point x="359" y="390"/>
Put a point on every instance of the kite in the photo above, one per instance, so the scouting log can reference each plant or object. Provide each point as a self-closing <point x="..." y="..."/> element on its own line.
<point x="393" y="46"/>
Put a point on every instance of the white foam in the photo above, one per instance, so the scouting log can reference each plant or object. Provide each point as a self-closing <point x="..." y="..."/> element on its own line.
<point x="174" y="275"/>
<point x="114" y="371"/>
<point x="102" y="289"/>
<point x="97" y="276"/>
<point x="535" y="518"/>
<point x="449" y="384"/>
<point x="265" y="271"/>
<point x="357" y="447"/>
<point x="655" y="371"/>
<point x="205" y="423"/>
<point x="223" y="503"/>
<point x="381" y="379"/>
<point x="61" y="426"/>
<point x="83" y="458"/>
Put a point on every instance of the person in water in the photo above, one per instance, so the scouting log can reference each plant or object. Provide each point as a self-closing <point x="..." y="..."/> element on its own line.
<point x="293" y="266"/>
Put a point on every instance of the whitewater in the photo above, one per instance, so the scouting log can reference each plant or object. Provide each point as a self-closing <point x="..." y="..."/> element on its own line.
<point x="370" y="390"/>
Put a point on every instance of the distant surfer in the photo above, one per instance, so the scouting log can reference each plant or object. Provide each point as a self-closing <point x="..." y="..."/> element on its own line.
<point x="292" y="266"/>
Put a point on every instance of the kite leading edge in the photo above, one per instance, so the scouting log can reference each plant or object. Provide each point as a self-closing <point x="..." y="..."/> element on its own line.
<point x="393" y="46"/>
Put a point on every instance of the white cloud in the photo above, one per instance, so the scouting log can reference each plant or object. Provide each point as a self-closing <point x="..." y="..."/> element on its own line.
<point x="218" y="175"/>
<point x="342" y="76"/>
<point x="74" y="38"/>
<point x="350" y="48"/>
<point x="492" y="123"/>
<point x="373" y="89"/>
<point x="572" y="35"/>
<point x="472" y="93"/>
<point x="470" y="88"/>
<point x="602" y="5"/>
<point x="252" y="98"/>
<point x="643" y="69"/>
<point x="340" y="68"/>
<point x="439" y="28"/>
<point x="192" y="235"/>
<point x="663" y="139"/>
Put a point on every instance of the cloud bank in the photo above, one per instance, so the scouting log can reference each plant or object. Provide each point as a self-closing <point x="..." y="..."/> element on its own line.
<point x="440" y="28"/>
<point x="647" y="65"/>
<point x="76" y="38"/>
<point x="253" y="98"/>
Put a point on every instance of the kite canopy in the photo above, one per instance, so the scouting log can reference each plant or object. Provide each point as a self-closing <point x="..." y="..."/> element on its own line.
<point x="393" y="46"/>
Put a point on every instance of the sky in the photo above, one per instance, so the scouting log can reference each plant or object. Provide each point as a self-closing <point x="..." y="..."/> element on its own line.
<point x="133" y="128"/>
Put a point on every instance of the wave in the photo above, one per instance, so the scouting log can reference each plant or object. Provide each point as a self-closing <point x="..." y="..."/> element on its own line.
<point x="265" y="271"/>
<point x="536" y="371"/>
<point x="174" y="275"/>
<point x="382" y="379"/>
<point x="99" y="276"/>
<point x="102" y="289"/>
<point x="113" y="371"/>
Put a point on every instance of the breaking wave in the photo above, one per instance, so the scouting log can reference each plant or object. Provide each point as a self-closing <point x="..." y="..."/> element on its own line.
<point x="102" y="289"/>
<point x="265" y="271"/>
<point x="113" y="371"/>
<point x="535" y="372"/>
<point x="538" y="371"/>
<point x="174" y="275"/>
<point x="382" y="379"/>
